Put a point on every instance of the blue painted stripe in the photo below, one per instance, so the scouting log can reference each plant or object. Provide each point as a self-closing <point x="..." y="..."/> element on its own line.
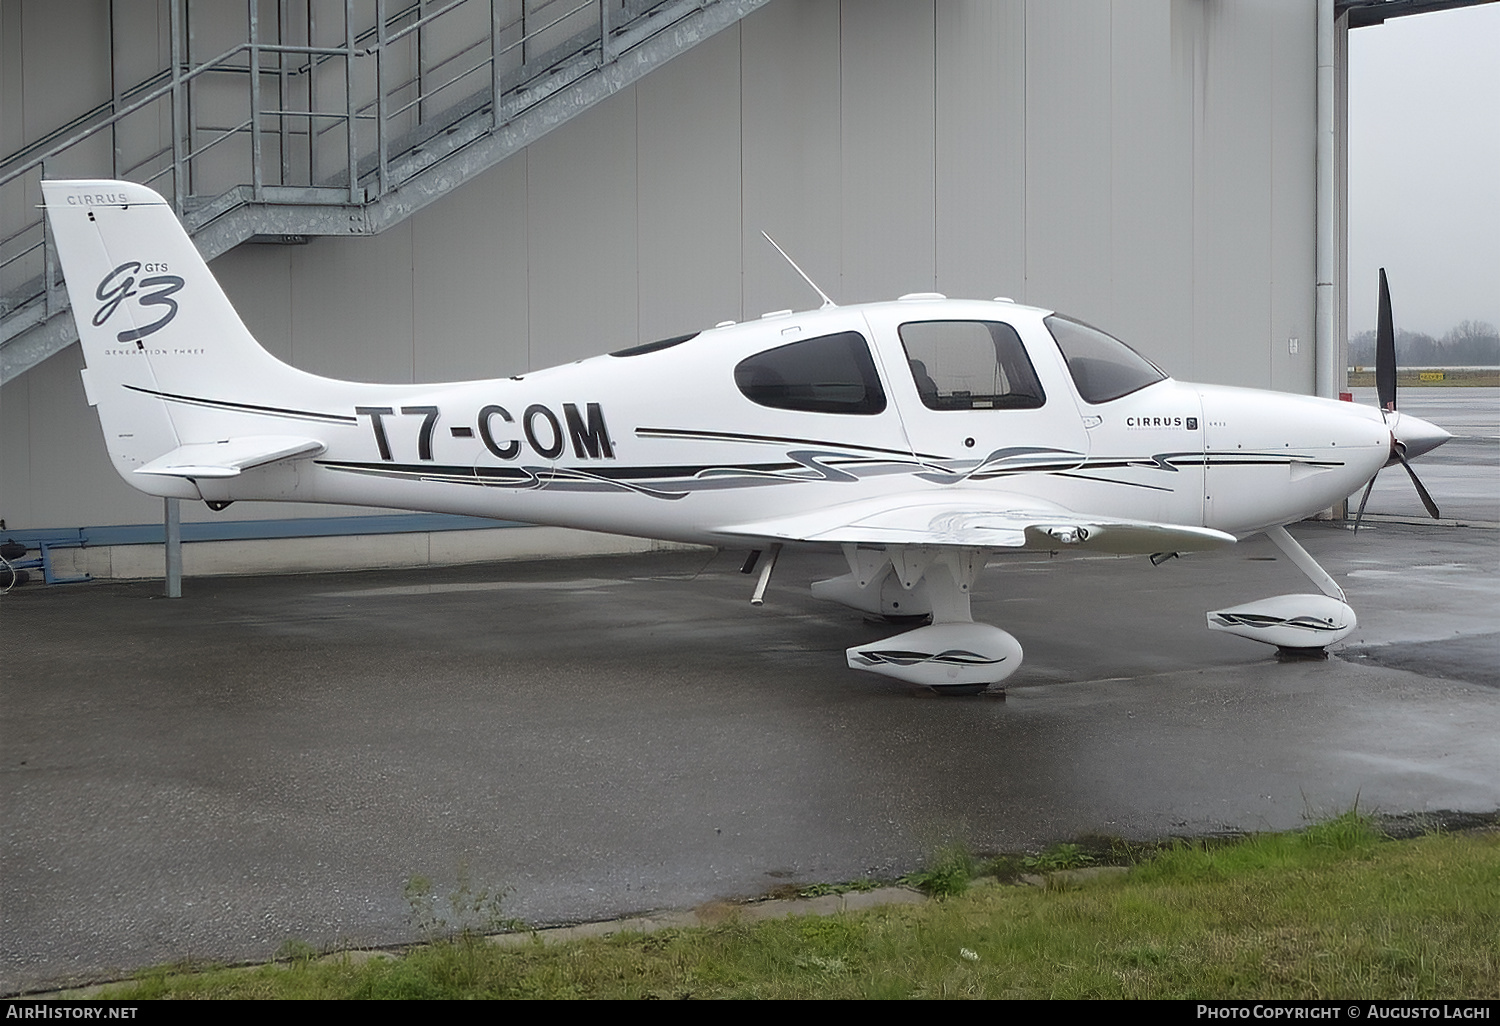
<point x="241" y="530"/>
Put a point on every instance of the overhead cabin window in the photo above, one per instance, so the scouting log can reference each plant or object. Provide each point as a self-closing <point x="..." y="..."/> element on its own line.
<point x="829" y="374"/>
<point x="651" y="347"/>
<point x="1102" y="366"/>
<point x="970" y="365"/>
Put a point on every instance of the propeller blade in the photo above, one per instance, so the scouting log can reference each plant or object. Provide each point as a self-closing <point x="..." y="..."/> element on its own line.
<point x="1432" y="509"/>
<point x="1364" y="499"/>
<point x="1385" y="349"/>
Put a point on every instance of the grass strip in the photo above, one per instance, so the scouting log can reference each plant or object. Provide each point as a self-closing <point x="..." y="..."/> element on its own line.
<point x="1334" y="911"/>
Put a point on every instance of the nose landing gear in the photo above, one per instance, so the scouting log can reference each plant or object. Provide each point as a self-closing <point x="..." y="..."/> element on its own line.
<point x="1300" y="626"/>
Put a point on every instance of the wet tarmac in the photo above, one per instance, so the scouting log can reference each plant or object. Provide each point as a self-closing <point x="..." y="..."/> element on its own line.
<point x="273" y="758"/>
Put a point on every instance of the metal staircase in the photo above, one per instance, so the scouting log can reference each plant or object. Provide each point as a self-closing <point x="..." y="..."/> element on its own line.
<point x="331" y="129"/>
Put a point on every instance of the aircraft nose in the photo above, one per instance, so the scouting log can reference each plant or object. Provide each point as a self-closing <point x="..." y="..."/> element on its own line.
<point x="1417" y="435"/>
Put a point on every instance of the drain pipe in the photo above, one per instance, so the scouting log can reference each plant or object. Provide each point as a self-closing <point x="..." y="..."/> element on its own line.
<point x="1327" y="380"/>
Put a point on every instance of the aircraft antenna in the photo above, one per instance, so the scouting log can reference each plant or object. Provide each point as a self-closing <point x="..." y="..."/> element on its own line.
<point x="826" y="301"/>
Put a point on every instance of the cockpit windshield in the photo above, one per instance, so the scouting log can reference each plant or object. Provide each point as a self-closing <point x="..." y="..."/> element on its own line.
<point x="1102" y="366"/>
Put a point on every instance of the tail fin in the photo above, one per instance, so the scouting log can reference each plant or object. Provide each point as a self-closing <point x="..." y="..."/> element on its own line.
<point x="162" y="343"/>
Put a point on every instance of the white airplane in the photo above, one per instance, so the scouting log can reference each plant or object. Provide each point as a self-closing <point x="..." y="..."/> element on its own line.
<point x="921" y="437"/>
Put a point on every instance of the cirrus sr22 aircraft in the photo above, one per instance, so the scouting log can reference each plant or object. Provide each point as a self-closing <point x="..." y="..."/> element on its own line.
<point x="920" y="437"/>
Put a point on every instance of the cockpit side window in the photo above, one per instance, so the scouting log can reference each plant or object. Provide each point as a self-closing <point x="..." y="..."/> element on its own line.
<point x="1102" y="366"/>
<point x="970" y="365"/>
<point x="827" y="374"/>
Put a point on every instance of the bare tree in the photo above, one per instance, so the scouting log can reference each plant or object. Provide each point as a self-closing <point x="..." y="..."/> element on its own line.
<point x="1469" y="344"/>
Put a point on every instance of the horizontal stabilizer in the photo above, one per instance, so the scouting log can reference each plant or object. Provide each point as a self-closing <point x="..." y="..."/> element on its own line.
<point x="231" y="456"/>
<point x="991" y="520"/>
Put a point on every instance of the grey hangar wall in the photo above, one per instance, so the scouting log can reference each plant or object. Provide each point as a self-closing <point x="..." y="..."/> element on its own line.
<point x="1146" y="165"/>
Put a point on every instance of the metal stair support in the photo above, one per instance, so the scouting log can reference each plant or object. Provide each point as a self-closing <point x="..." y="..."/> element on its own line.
<point x="398" y="140"/>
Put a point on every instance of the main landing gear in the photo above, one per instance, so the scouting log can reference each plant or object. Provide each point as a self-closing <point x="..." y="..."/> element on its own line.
<point x="952" y="655"/>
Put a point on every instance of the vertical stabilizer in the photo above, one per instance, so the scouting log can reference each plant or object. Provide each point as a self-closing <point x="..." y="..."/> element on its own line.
<point x="160" y="338"/>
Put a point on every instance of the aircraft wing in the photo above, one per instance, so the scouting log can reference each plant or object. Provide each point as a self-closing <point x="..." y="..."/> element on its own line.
<point x="991" y="520"/>
<point x="229" y="457"/>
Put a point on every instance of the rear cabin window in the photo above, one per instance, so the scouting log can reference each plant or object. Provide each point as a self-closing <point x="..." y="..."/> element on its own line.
<point x="828" y="374"/>
<point x="970" y="365"/>
<point x="1102" y="366"/>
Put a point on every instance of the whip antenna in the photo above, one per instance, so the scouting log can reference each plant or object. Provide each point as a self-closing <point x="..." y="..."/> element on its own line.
<point x="826" y="301"/>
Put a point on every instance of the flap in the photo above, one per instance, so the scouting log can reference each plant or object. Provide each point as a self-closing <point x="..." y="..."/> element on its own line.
<point x="988" y="520"/>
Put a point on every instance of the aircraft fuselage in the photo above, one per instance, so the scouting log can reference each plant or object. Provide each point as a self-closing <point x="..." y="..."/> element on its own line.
<point x="665" y="443"/>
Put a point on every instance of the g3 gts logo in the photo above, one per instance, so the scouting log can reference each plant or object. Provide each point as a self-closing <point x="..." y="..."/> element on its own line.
<point x="120" y="284"/>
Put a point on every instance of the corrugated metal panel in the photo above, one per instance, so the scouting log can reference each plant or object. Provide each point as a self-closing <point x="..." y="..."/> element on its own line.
<point x="981" y="148"/>
<point x="791" y="153"/>
<point x="1146" y="164"/>
<point x="1068" y="157"/>
<point x="352" y="307"/>
<point x="1232" y="192"/>
<point x="66" y="477"/>
<point x="888" y="195"/>
<point x="469" y="280"/>
<point x="688" y="150"/>
<point x="581" y="192"/>
<point x="258" y="281"/>
<point x="1293" y="266"/>
<point x="1151" y="188"/>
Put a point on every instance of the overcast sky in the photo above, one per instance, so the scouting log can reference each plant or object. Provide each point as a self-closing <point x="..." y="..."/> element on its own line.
<point x="1424" y="169"/>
